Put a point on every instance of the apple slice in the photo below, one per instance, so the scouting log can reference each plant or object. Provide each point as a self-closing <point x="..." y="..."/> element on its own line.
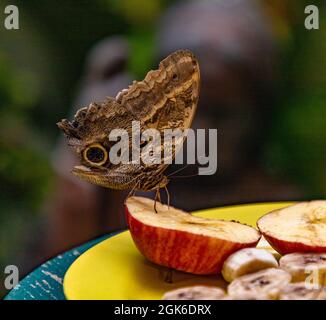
<point x="179" y="240"/>
<point x="297" y="228"/>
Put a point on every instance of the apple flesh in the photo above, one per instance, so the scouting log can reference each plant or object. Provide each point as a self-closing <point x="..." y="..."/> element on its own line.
<point x="179" y="240"/>
<point x="297" y="228"/>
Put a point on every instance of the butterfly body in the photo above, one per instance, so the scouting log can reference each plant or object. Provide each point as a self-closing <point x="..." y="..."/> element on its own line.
<point x="165" y="99"/>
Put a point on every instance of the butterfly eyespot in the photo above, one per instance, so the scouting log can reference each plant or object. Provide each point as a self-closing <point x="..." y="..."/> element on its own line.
<point x="174" y="76"/>
<point x="95" y="154"/>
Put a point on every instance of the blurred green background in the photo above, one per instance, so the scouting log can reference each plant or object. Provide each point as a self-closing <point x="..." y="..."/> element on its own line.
<point x="40" y="65"/>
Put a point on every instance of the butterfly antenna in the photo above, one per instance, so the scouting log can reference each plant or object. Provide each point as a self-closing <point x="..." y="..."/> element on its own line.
<point x="172" y="175"/>
<point x="178" y="170"/>
<point x="188" y="176"/>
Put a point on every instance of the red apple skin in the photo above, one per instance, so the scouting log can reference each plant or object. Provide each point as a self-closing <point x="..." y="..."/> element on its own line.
<point x="182" y="250"/>
<point x="285" y="247"/>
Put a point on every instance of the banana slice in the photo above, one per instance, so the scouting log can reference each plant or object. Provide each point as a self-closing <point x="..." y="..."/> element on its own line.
<point x="300" y="291"/>
<point x="309" y="267"/>
<point x="195" y="293"/>
<point x="248" y="296"/>
<point x="265" y="282"/>
<point x="245" y="261"/>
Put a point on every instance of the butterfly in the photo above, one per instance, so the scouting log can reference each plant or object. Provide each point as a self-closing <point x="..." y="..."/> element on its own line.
<point x="166" y="99"/>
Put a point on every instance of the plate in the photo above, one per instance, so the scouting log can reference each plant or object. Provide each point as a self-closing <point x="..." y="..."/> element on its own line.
<point x="114" y="269"/>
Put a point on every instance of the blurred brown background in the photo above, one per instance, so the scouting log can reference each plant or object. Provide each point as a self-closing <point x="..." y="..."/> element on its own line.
<point x="263" y="88"/>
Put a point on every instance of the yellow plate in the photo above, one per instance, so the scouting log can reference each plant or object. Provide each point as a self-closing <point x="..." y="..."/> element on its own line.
<point x="114" y="269"/>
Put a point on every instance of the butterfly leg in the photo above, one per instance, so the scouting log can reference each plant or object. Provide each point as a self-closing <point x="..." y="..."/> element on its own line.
<point x="169" y="276"/>
<point x="168" y="196"/>
<point x="157" y="197"/>
<point x="132" y="191"/>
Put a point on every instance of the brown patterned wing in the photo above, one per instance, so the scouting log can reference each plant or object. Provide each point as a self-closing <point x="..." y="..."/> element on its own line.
<point x="167" y="97"/>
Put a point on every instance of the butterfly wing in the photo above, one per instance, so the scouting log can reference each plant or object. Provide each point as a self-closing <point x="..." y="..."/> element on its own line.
<point x="167" y="97"/>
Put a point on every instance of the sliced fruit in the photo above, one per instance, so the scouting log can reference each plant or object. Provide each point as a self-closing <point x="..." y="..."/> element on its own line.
<point x="181" y="241"/>
<point x="268" y="282"/>
<point x="300" y="291"/>
<point x="304" y="265"/>
<point x="297" y="228"/>
<point x="248" y="296"/>
<point x="195" y="293"/>
<point x="245" y="261"/>
<point x="264" y="244"/>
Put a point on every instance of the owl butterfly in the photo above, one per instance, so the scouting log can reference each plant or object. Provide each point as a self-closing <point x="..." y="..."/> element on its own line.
<point x="165" y="99"/>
